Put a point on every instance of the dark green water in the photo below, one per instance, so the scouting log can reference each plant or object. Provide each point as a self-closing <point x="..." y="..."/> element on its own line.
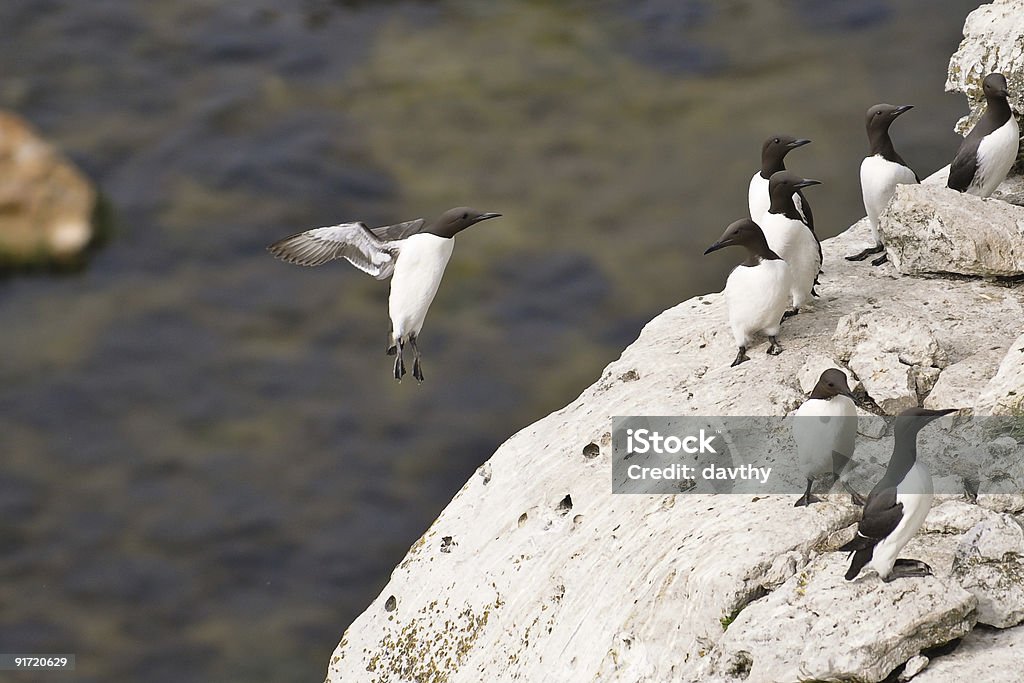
<point x="207" y="472"/>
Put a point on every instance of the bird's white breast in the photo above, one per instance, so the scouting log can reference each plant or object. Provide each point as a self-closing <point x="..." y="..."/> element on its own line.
<point x="421" y="262"/>
<point x="822" y="426"/>
<point x="878" y="180"/>
<point x="795" y="243"/>
<point x="915" y="492"/>
<point x="758" y="200"/>
<point x="757" y="296"/>
<point x="996" y="154"/>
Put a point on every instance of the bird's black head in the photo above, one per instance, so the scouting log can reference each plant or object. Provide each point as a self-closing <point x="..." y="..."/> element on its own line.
<point x="774" y="150"/>
<point x="832" y="383"/>
<point x="880" y="116"/>
<point x="454" y="221"/>
<point x="784" y="184"/>
<point x="913" y="420"/>
<point x="994" y="86"/>
<point x="743" y="233"/>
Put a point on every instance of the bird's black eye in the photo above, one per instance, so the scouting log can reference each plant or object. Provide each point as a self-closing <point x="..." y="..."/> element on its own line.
<point x="465" y="216"/>
<point x="776" y="141"/>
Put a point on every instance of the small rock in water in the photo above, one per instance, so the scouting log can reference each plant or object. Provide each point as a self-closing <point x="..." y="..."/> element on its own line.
<point x="47" y="203"/>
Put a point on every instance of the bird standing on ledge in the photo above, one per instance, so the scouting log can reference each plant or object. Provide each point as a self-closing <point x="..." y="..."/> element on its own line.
<point x="989" y="150"/>
<point x="897" y="506"/>
<point x="757" y="291"/>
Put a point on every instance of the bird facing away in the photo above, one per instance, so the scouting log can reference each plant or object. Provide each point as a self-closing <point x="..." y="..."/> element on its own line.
<point x="415" y="253"/>
<point x="880" y="172"/>
<point x="825" y="430"/>
<point x="757" y="291"/>
<point x="897" y="506"/>
<point x="773" y="155"/>
<point x="790" y="236"/>
<point x="989" y="150"/>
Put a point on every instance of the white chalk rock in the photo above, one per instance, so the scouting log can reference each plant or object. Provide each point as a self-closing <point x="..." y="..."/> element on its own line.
<point x="984" y="656"/>
<point x="993" y="41"/>
<point x="1004" y="394"/>
<point x="930" y="229"/>
<point x="817" y="626"/>
<point x="989" y="562"/>
<point x="890" y="383"/>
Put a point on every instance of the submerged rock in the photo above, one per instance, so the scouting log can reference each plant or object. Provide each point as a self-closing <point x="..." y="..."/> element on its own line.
<point x="46" y="204"/>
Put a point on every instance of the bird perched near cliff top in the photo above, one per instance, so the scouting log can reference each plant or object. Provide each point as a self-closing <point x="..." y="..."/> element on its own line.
<point x="415" y="252"/>
<point x="825" y="430"/>
<point x="989" y="150"/>
<point x="773" y="155"/>
<point x="790" y="236"/>
<point x="897" y="506"/>
<point x="757" y="291"/>
<point x="880" y="172"/>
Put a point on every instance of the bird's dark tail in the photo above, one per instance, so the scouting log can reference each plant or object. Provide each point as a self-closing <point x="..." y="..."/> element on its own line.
<point x="860" y="558"/>
<point x="863" y="549"/>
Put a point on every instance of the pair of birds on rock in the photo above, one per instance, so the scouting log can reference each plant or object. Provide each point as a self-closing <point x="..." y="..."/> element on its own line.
<point x="783" y="252"/>
<point x="825" y="430"/>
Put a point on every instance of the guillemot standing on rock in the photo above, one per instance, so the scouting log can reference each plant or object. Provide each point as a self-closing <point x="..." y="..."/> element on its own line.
<point x="880" y="172"/>
<point x="773" y="155"/>
<point x="989" y="150"/>
<point x="897" y="506"/>
<point x="415" y="252"/>
<point x="790" y="236"/>
<point x="825" y="430"/>
<point x="757" y="291"/>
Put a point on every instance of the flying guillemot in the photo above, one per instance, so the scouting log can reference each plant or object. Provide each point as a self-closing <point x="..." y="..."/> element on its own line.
<point x="414" y="252"/>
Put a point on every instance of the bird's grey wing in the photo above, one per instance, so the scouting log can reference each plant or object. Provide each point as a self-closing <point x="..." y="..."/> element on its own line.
<point x="399" y="231"/>
<point x="882" y="514"/>
<point x="964" y="166"/>
<point x="351" y="241"/>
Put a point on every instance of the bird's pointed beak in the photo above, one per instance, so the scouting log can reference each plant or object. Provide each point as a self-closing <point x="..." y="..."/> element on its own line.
<point x="807" y="182"/>
<point x="901" y="109"/>
<point x="716" y="246"/>
<point x="487" y="216"/>
<point x="798" y="143"/>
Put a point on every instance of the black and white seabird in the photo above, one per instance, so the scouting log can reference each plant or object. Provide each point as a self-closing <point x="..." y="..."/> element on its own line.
<point x="790" y="236"/>
<point x="773" y="155"/>
<point x="825" y="430"/>
<point x="880" y="172"/>
<point x="415" y="252"/>
<point x="897" y="506"/>
<point x="757" y="291"/>
<point x="989" y="150"/>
